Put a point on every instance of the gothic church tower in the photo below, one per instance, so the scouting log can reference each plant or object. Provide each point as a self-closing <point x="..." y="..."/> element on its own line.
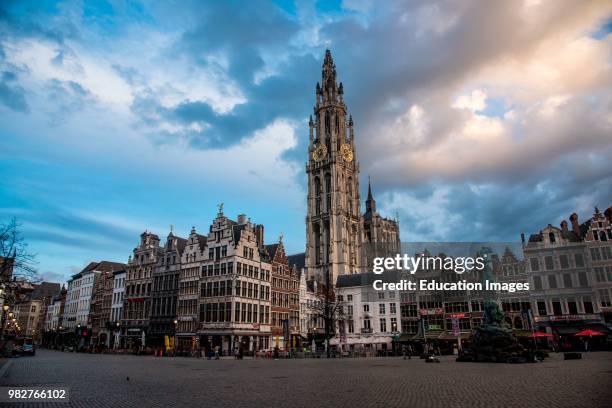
<point x="333" y="231"/>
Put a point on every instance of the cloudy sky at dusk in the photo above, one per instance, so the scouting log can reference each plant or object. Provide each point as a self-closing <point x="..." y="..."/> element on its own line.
<point x="475" y="120"/>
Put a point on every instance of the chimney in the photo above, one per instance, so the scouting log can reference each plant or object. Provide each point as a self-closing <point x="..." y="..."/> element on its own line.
<point x="259" y="235"/>
<point x="564" y="226"/>
<point x="575" y="225"/>
<point x="242" y="219"/>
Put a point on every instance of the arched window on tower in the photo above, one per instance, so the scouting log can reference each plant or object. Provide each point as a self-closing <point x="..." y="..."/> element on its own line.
<point x="339" y="139"/>
<point x="328" y="190"/>
<point x="350" y="195"/>
<point x="316" y="230"/>
<point x="317" y="193"/>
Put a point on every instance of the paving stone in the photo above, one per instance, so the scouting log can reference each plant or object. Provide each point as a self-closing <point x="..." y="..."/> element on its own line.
<point x="100" y="381"/>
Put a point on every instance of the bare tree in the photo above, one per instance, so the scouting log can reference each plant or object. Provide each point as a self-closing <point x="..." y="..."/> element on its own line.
<point x="328" y="308"/>
<point x="15" y="260"/>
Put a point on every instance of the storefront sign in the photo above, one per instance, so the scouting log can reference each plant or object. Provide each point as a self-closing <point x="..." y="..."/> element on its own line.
<point x="428" y="312"/>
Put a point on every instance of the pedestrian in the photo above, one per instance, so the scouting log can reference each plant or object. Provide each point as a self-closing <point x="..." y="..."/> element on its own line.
<point x="409" y="352"/>
<point x="235" y="353"/>
<point x="404" y="351"/>
<point x="240" y="353"/>
<point x="216" y="352"/>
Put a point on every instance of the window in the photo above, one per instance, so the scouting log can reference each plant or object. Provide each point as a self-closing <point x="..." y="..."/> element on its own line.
<point x="572" y="308"/>
<point x="600" y="275"/>
<point x="563" y="260"/>
<point x="340" y="298"/>
<point x="366" y="308"/>
<point x="392" y="308"/>
<point x="351" y="327"/>
<point x="349" y="298"/>
<point x="595" y="255"/>
<point x="408" y="310"/>
<point x="556" y="308"/>
<point x="537" y="282"/>
<point x="582" y="279"/>
<point x="588" y="305"/>
<point x="383" y="325"/>
<point x="410" y="326"/>
<point x="381" y="308"/>
<point x="381" y="295"/>
<point x="349" y="310"/>
<point x="366" y="325"/>
<point x="393" y="324"/>
<point x="552" y="281"/>
<point x="567" y="280"/>
<point x="604" y="298"/>
<point x="542" y="308"/>
<point x="548" y="261"/>
<point x="579" y="260"/>
<point x="535" y="266"/>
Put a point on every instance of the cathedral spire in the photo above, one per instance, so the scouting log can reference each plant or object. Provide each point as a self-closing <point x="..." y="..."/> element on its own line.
<point x="328" y="76"/>
<point x="370" y="202"/>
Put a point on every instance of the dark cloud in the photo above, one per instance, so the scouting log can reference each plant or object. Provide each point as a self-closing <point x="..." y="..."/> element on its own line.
<point x="401" y="55"/>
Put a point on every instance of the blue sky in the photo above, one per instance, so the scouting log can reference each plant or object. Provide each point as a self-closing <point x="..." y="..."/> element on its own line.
<point x="476" y="121"/>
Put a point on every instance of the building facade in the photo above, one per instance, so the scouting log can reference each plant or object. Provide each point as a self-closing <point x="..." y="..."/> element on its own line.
<point x="598" y="238"/>
<point x="285" y="304"/>
<point x="562" y="294"/>
<point x="164" y="295"/>
<point x="117" y="300"/>
<point x="139" y="280"/>
<point x="235" y="287"/>
<point x="189" y="292"/>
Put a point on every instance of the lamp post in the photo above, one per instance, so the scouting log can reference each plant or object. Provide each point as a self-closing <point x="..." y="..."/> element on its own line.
<point x="118" y="336"/>
<point x="5" y="309"/>
<point x="174" y="341"/>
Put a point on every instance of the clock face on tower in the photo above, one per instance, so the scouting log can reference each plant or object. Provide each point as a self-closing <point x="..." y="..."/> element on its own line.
<point x="319" y="152"/>
<point x="346" y="152"/>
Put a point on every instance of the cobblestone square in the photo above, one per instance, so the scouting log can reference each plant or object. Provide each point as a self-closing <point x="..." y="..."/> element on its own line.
<point x="101" y="381"/>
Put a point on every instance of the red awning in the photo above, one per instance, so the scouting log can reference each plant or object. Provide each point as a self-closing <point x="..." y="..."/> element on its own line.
<point x="588" y="332"/>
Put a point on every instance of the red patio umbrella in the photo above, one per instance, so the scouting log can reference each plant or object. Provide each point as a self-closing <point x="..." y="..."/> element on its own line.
<point x="541" y="334"/>
<point x="588" y="332"/>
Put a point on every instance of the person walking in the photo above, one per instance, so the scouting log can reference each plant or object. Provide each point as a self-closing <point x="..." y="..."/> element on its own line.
<point x="409" y="352"/>
<point x="404" y="351"/>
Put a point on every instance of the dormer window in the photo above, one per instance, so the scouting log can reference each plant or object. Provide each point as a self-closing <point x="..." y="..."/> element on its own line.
<point x="551" y="237"/>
